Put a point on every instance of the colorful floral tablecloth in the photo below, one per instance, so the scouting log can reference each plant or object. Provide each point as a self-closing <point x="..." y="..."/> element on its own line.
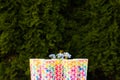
<point x="58" y="69"/>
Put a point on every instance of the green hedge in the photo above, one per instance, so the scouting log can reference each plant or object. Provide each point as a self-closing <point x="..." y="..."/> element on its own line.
<point x="85" y="28"/>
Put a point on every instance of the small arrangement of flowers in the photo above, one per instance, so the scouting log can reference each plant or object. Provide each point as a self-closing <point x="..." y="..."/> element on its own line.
<point x="60" y="55"/>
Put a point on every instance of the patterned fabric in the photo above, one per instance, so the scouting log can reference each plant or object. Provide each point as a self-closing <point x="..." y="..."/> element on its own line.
<point x="58" y="69"/>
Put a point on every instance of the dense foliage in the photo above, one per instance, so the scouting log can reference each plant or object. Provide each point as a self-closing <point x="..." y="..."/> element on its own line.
<point x="85" y="28"/>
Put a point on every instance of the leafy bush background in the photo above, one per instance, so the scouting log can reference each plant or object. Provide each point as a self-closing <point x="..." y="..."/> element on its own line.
<point x="85" y="28"/>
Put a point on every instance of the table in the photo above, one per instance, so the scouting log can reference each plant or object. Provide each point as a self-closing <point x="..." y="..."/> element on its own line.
<point x="58" y="69"/>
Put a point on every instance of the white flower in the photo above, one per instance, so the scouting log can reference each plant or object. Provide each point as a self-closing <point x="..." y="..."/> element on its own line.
<point x="66" y="54"/>
<point x="60" y="56"/>
<point x="52" y="56"/>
